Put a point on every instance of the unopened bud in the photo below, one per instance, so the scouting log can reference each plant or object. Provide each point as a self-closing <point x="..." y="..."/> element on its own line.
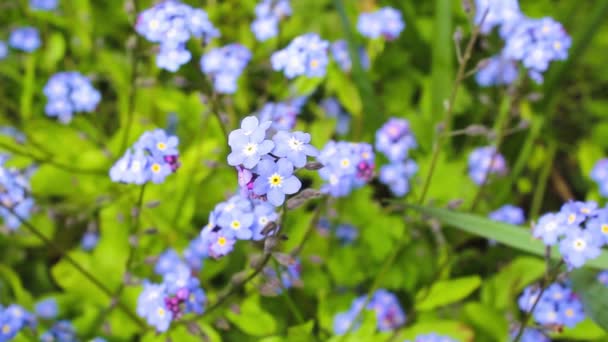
<point x="313" y="166"/>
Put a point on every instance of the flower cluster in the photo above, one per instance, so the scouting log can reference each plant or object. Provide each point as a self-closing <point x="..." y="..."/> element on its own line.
<point x="266" y="166"/>
<point x="433" y="337"/>
<point x="533" y="42"/>
<point x="171" y="24"/>
<point x="238" y="218"/>
<point x="497" y="70"/>
<point x="224" y="65"/>
<point x="15" y="195"/>
<point x="44" y="5"/>
<point x="394" y="140"/>
<point x="25" y="39"/>
<point x="558" y="305"/>
<point x="599" y="174"/>
<point x="282" y="114"/>
<point x="339" y="50"/>
<point x="46" y="309"/>
<point x="580" y="228"/>
<point x="486" y="161"/>
<point x="346" y="166"/>
<point x="68" y="93"/>
<point x="509" y="214"/>
<point x="305" y="55"/>
<point x="178" y="294"/>
<point x="385" y="22"/>
<point x="268" y="13"/>
<point x="389" y="313"/>
<point x="333" y="109"/>
<point x="152" y="158"/>
<point x="60" y="331"/>
<point x="13" y="318"/>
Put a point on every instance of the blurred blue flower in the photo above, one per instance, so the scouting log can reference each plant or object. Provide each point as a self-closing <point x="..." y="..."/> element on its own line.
<point x="305" y="55"/>
<point x="578" y="246"/>
<point x="89" y="241"/>
<point x="509" y="214"/>
<point x="224" y="65"/>
<point x="599" y="174"/>
<point x="346" y="166"/>
<point x="3" y="50"/>
<point x="282" y="114"/>
<point x="496" y="71"/>
<point x="395" y="139"/>
<point x="339" y="50"/>
<point x="550" y="227"/>
<point x="25" y="39"/>
<point x="433" y="337"/>
<point x="171" y="58"/>
<point x="268" y="14"/>
<point x="68" y="93"/>
<point x="44" y="5"/>
<point x="385" y="22"/>
<point x="389" y="314"/>
<point x="496" y="13"/>
<point x="397" y="175"/>
<point x="151" y="306"/>
<point x="46" y="308"/>
<point x="486" y="161"/>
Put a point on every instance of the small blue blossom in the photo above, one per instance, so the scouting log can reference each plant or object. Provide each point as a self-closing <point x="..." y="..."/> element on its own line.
<point x="224" y="65"/>
<point x="68" y="93"/>
<point x="268" y="14"/>
<point x="599" y="174"/>
<point x="220" y="243"/>
<point x="89" y="241"/>
<point x="332" y="109"/>
<point x="497" y="71"/>
<point x="305" y="55"/>
<point x="294" y="147"/>
<point x="264" y="213"/>
<point x="550" y="227"/>
<point x="167" y="261"/>
<point x="61" y="331"/>
<point x="248" y="143"/>
<point x="385" y="22"/>
<point x="282" y="114"/>
<point x="339" y="50"/>
<point x="433" y="337"/>
<point x="171" y="24"/>
<point x="152" y="158"/>
<point x="237" y="224"/>
<point x="509" y="214"/>
<point x="343" y="321"/>
<point x="151" y="306"/>
<point x="276" y="180"/>
<point x="196" y="252"/>
<point x="196" y="301"/>
<point x="395" y="139"/>
<point x="497" y="13"/>
<point x="602" y="277"/>
<point x="578" y="246"/>
<point x="576" y="212"/>
<point x="486" y="161"/>
<point x="397" y="175"/>
<point x="15" y="194"/>
<point x="3" y="50"/>
<point x="346" y="166"/>
<point x="25" y="39"/>
<point x="346" y="233"/>
<point x="389" y="314"/>
<point x="47" y="308"/>
<point x="44" y="5"/>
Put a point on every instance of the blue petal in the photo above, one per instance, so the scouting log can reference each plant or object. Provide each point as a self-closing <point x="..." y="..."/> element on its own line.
<point x="276" y="197"/>
<point x="291" y="185"/>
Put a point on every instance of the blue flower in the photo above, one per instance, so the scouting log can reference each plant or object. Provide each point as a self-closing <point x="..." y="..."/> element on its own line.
<point x="433" y="337"/>
<point x="248" y="143"/>
<point x="61" y="331"/>
<point x="236" y="223"/>
<point x="531" y="335"/>
<point x="578" y="246"/>
<point x="46" y="308"/>
<point x="68" y="93"/>
<point x="224" y="65"/>
<point x="220" y="243"/>
<point x="89" y="241"/>
<point x="599" y="174"/>
<point x="197" y="250"/>
<point x="497" y="71"/>
<point x="576" y="212"/>
<point x="497" y="13"/>
<point x="151" y="306"/>
<point x="294" y="147"/>
<point x="395" y="139"/>
<point x="265" y="28"/>
<point x="44" y="5"/>
<point x="528" y="298"/>
<point x="196" y="301"/>
<point x="282" y="114"/>
<point x="486" y="161"/>
<point x="571" y="313"/>
<point x="3" y="50"/>
<point x="268" y="14"/>
<point x="509" y="214"/>
<point x="550" y="228"/>
<point x="171" y="58"/>
<point x="167" y="261"/>
<point x="332" y="108"/>
<point x="264" y="213"/>
<point x="305" y="55"/>
<point x="346" y="233"/>
<point x="177" y="278"/>
<point x="389" y="314"/>
<point x="25" y="39"/>
<point x="15" y="185"/>
<point x="343" y="322"/>
<point x="339" y="50"/>
<point x="276" y="180"/>
<point x="345" y="166"/>
<point x="130" y="168"/>
<point x="397" y="175"/>
<point x="598" y="226"/>
<point x="385" y="22"/>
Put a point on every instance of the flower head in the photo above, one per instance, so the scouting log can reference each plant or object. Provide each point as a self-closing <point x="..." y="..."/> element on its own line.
<point x="385" y="22"/>
<point x="25" y="39"/>
<point x="276" y="180"/>
<point x="248" y="143"/>
<point x="305" y="55"/>
<point x="68" y="93"/>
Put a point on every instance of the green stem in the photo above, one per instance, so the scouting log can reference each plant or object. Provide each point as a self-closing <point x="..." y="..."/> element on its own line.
<point x="541" y="184"/>
<point x="290" y="303"/>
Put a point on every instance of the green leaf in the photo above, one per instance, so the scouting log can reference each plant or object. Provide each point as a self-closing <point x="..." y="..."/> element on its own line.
<point x="594" y="295"/>
<point x="20" y="294"/>
<point x="446" y="292"/>
<point x="442" y="56"/>
<point x="586" y="330"/>
<point x="453" y="329"/>
<point x="510" y="235"/>
<point x="301" y="333"/>
<point x="488" y="320"/>
<point x="251" y="319"/>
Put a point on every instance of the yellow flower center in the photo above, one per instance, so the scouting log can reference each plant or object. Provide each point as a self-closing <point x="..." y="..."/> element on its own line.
<point x="235" y="224"/>
<point x="161" y="146"/>
<point x="569" y="312"/>
<point x="345" y="163"/>
<point x="221" y="241"/>
<point x="275" y="180"/>
<point x="161" y="312"/>
<point x="6" y="329"/>
<point x="314" y="63"/>
<point x="579" y="244"/>
<point x="155" y="168"/>
<point x="605" y="228"/>
<point x="571" y="218"/>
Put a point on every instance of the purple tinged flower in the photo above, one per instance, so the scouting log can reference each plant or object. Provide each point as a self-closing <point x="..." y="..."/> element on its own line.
<point x="26" y="39"/>
<point x="339" y="50"/>
<point x="509" y="214"/>
<point x="294" y="147"/>
<point x="546" y="313"/>
<point x="386" y="22"/>
<point x="196" y="301"/>
<point x="531" y="335"/>
<point x="579" y="246"/>
<point x="599" y="174"/>
<point x="528" y="298"/>
<point x="158" y="143"/>
<point x="248" y="143"/>
<point x="395" y="139"/>
<point x="497" y="13"/>
<point x="130" y="168"/>
<point x="151" y="306"/>
<point x="221" y="243"/>
<point x="602" y="277"/>
<point x="196" y="252"/>
<point x="268" y="14"/>
<point x="236" y="223"/>
<point x="177" y="278"/>
<point x="550" y="227"/>
<point x="346" y="233"/>
<point x="276" y="180"/>
<point x="282" y="114"/>
<point x="343" y="321"/>
<point x="486" y="161"/>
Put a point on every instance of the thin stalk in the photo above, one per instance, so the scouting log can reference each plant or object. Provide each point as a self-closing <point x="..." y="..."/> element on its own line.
<point x="133" y="85"/>
<point x="541" y="184"/>
<point x="290" y="303"/>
